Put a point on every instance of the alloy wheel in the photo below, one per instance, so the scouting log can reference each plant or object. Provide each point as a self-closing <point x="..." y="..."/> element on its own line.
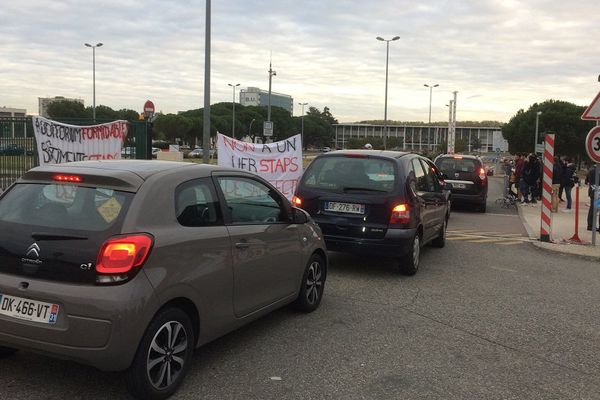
<point x="314" y="282"/>
<point x="167" y="354"/>
<point x="416" y="251"/>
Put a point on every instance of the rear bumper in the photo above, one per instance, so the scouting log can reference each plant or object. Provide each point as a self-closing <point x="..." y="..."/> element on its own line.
<point x="469" y="198"/>
<point x="396" y="243"/>
<point x="99" y="326"/>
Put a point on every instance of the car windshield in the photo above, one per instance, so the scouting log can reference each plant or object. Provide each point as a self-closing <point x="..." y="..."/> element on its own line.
<point x="351" y="173"/>
<point x="453" y="165"/>
<point x="64" y="206"/>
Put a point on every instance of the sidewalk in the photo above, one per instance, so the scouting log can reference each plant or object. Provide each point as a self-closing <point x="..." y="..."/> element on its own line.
<point x="563" y="227"/>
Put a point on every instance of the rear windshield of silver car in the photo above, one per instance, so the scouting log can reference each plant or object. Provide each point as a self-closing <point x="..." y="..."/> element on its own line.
<point x="64" y="206"/>
<point x="453" y="165"/>
<point x="350" y="173"/>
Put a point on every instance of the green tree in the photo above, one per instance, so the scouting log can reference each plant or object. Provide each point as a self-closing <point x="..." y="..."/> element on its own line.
<point x="172" y="126"/>
<point x="559" y="117"/>
<point x="475" y="143"/>
<point x="61" y="109"/>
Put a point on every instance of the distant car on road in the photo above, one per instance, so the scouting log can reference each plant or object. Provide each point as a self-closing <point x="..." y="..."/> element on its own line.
<point x="376" y="203"/>
<point x="13" y="149"/>
<point x="325" y="149"/>
<point x="132" y="264"/>
<point x="199" y="153"/>
<point x="468" y="177"/>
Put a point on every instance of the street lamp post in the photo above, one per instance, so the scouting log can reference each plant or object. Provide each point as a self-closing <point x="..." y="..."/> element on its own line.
<point x="430" y="97"/>
<point x="271" y="74"/>
<point x="233" y="122"/>
<point x="302" y="130"/>
<point x="94" y="76"/>
<point x="387" y="57"/>
<point x="537" y="125"/>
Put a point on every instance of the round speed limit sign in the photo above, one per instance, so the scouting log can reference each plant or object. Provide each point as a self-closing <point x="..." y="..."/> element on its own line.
<point x="592" y="144"/>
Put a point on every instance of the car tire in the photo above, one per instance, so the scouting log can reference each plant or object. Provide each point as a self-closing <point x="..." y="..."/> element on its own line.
<point x="409" y="264"/>
<point x="7" y="351"/>
<point x="440" y="241"/>
<point x="163" y="356"/>
<point x="313" y="285"/>
<point x="482" y="207"/>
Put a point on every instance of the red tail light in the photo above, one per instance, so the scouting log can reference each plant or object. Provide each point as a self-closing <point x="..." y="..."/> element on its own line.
<point x="67" y="178"/>
<point x="400" y="214"/>
<point x="120" y="254"/>
<point x="297" y="201"/>
<point x="482" y="174"/>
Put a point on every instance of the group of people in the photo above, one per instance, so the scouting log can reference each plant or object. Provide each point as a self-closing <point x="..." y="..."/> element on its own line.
<point x="525" y="173"/>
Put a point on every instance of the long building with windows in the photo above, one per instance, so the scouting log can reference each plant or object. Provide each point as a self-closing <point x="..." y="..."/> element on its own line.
<point x="422" y="137"/>
<point x="254" y="96"/>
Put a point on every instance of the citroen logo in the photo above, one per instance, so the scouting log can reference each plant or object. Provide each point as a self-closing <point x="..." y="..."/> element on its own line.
<point x="33" y="250"/>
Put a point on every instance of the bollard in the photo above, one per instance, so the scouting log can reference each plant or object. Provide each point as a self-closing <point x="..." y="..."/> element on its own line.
<point x="575" y="237"/>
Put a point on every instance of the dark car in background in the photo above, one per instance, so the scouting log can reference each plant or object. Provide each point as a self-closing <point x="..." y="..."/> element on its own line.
<point x="468" y="176"/>
<point x="376" y="203"/>
<point x="12" y="149"/>
<point x="131" y="264"/>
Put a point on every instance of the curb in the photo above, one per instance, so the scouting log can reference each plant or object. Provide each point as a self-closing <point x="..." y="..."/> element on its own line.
<point x="567" y="249"/>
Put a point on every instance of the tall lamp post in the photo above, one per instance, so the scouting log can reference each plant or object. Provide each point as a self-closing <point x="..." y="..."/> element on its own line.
<point x="271" y="75"/>
<point x="537" y="126"/>
<point x="302" y="119"/>
<point x="233" y="122"/>
<point x="430" y="97"/>
<point x="387" y="57"/>
<point x="94" y="76"/>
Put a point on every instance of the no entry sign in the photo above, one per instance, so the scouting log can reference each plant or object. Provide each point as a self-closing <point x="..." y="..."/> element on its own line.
<point x="592" y="144"/>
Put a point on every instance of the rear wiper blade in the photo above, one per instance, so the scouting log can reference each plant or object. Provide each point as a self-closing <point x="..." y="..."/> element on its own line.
<point x="55" y="236"/>
<point x="363" y="188"/>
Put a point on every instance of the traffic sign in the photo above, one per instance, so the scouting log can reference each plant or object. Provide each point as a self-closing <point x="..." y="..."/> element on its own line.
<point x="267" y="128"/>
<point x="148" y="109"/>
<point x="592" y="144"/>
<point x="593" y="110"/>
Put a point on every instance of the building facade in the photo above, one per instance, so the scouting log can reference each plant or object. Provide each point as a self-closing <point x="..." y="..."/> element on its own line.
<point x="12" y="122"/>
<point x="253" y="96"/>
<point x="422" y="138"/>
<point x="43" y="103"/>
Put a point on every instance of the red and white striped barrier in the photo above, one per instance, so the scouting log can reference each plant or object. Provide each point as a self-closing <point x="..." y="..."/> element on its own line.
<point x="546" y="224"/>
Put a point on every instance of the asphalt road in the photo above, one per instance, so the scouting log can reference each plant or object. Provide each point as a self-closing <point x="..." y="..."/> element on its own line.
<point x="487" y="317"/>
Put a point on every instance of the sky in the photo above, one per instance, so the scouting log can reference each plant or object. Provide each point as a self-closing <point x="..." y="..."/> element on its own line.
<point x="499" y="55"/>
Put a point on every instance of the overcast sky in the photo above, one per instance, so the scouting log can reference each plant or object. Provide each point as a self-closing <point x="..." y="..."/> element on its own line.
<point x="500" y="55"/>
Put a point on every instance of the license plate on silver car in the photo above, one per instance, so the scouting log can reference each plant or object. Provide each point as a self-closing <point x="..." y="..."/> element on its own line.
<point x="28" y="310"/>
<point x="351" y="208"/>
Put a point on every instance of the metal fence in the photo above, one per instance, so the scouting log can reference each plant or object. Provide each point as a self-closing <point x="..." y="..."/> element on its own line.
<point x="18" y="149"/>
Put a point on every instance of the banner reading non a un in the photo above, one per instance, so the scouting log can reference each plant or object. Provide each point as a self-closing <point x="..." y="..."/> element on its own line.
<point x="280" y="163"/>
<point x="59" y="143"/>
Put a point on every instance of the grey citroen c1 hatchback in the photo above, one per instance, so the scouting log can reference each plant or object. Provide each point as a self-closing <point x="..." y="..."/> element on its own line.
<point x="376" y="203"/>
<point x="130" y="265"/>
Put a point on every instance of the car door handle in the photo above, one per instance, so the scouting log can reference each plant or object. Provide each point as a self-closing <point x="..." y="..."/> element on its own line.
<point x="242" y="245"/>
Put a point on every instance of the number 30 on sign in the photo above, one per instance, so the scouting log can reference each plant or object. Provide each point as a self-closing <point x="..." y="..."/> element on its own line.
<point x="592" y="144"/>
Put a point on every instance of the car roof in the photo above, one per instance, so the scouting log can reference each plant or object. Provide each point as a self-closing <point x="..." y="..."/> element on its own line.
<point x="378" y="153"/>
<point x="125" y="174"/>
<point x="469" y="156"/>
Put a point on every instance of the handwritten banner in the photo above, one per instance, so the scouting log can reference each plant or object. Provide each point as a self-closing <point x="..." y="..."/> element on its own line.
<point x="59" y="143"/>
<point x="280" y="163"/>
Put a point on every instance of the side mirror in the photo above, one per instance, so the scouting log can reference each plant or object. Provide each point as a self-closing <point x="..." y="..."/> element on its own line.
<point x="447" y="186"/>
<point x="299" y="216"/>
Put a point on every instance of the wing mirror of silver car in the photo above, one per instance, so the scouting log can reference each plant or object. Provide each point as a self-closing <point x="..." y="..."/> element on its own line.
<point x="300" y="216"/>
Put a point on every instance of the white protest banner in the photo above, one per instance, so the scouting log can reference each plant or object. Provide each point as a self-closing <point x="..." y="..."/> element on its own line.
<point x="59" y="143"/>
<point x="280" y="163"/>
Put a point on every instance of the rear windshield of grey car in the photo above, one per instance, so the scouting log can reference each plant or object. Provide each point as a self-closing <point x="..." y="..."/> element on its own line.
<point x="452" y="165"/>
<point x="64" y="206"/>
<point x="343" y="173"/>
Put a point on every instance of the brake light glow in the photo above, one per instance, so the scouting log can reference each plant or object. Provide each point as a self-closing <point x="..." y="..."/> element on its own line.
<point x="67" y="178"/>
<point x="457" y="157"/>
<point x="482" y="174"/>
<point x="400" y="214"/>
<point x="297" y="201"/>
<point x="118" y="255"/>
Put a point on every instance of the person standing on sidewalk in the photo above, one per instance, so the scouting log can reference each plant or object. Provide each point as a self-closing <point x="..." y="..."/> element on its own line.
<point x="531" y="175"/>
<point x="563" y="164"/>
<point x="590" y="179"/>
<point x="557" y="172"/>
<point x="569" y="179"/>
<point x="519" y="175"/>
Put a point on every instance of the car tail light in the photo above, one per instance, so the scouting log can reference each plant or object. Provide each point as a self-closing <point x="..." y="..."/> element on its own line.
<point x="118" y="255"/>
<point x="400" y="214"/>
<point x="297" y="201"/>
<point x="482" y="175"/>
<point x="67" y="178"/>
